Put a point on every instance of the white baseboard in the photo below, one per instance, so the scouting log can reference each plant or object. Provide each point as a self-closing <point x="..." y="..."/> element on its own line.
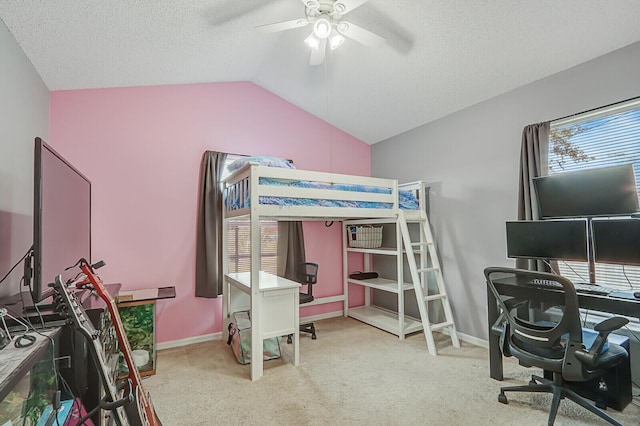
<point x="189" y="341"/>
<point x="217" y="336"/>
<point x="469" y="339"/>
<point x="474" y="340"/>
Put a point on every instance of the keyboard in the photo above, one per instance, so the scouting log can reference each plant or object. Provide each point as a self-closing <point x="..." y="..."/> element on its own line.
<point x="580" y="287"/>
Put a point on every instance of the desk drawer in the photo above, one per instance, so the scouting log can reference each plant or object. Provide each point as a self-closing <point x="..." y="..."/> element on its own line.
<point x="279" y="312"/>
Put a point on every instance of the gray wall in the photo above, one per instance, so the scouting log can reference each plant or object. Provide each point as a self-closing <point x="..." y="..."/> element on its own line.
<point x="24" y="114"/>
<point x="471" y="160"/>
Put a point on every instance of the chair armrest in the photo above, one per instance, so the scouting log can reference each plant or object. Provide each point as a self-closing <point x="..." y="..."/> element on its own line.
<point x="611" y="324"/>
<point x="604" y="329"/>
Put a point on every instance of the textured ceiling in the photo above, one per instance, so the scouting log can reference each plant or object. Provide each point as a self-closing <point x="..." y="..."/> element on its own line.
<point x="441" y="55"/>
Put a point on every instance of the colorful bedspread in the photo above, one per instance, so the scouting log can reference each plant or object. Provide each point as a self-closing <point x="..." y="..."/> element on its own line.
<point x="407" y="200"/>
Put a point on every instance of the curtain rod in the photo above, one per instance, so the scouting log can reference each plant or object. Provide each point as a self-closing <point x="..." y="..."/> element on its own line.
<point x="595" y="109"/>
<point x="229" y="153"/>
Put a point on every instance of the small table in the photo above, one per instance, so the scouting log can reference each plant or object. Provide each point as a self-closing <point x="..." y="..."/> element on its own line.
<point x="138" y="314"/>
<point x="274" y="304"/>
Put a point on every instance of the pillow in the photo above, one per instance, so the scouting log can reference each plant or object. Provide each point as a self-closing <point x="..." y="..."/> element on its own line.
<point x="263" y="160"/>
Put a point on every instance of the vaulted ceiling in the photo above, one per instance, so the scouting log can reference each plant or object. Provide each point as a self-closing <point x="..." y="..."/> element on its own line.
<point x="440" y="55"/>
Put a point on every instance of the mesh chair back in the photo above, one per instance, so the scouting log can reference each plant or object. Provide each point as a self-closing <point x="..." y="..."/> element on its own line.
<point x="532" y="324"/>
<point x="308" y="273"/>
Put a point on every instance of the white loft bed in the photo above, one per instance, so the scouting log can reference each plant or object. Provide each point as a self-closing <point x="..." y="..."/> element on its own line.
<point x="246" y="194"/>
<point x="244" y="188"/>
<point x="309" y="195"/>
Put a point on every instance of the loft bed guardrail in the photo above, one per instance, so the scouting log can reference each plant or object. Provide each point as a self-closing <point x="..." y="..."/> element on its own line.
<point x="309" y="195"/>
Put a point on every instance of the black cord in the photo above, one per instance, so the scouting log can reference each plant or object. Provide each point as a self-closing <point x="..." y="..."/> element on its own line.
<point x="586" y="315"/>
<point x="628" y="280"/>
<point x="572" y="270"/>
<point x="17" y="263"/>
<point x="24" y="341"/>
<point x="27" y="320"/>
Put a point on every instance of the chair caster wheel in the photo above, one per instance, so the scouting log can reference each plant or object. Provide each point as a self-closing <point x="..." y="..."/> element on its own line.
<point x="313" y="337"/>
<point x="533" y="382"/>
<point x="289" y="340"/>
<point x="502" y="398"/>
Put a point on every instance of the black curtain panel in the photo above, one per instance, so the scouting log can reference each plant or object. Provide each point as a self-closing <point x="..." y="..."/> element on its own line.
<point x="209" y="277"/>
<point x="534" y="162"/>
<point x="290" y="249"/>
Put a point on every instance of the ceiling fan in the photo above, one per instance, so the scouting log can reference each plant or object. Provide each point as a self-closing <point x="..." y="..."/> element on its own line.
<point x="328" y="27"/>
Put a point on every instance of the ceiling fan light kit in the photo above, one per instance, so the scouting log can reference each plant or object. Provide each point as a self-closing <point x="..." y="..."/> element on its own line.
<point x="322" y="27"/>
<point x="328" y="27"/>
<point x="312" y="41"/>
<point x="335" y="40"/>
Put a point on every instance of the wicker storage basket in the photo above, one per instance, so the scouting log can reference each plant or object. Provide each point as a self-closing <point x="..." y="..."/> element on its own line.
<point x="365" y="236"/>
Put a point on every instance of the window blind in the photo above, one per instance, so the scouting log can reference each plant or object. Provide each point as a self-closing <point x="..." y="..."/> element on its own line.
<point x="239" y="246"/>
<point x="239" y="239"/>
<point x="600" y="138"/>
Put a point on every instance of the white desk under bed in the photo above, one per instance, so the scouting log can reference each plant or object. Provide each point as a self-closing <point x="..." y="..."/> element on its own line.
<point x="274" y="305"/>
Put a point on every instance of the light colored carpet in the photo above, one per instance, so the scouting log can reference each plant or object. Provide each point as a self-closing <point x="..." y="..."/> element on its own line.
<point x="353" y="374"/>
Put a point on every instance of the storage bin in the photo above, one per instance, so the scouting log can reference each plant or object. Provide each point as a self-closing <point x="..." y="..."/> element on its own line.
<point x="240" y="339"/>
<point x="365" y="236"/>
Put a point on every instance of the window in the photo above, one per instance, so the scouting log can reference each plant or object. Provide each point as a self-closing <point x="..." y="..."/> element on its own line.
<point x="240" y="245"/>
<point x="239" y="239"/>
<point x="605" y="137"/>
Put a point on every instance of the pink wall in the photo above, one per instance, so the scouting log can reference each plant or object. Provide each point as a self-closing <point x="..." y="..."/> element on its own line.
<point x="141" y="147"/>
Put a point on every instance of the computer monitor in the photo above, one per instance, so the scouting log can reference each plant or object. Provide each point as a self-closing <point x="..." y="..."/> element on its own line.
<point x="606" y="191"/>
<point x="61" y="219"/>
<point x="548" y="239"/>
<point x="616" y="241"/>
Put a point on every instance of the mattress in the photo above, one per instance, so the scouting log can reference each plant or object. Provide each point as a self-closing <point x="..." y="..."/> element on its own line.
<point x="406" y="199"/>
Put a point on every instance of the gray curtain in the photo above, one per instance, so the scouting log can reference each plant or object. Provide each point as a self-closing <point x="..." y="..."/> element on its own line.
<point x="290" y="249"/>
<point x="534" y="162"/>
<point x="209" y="247"/>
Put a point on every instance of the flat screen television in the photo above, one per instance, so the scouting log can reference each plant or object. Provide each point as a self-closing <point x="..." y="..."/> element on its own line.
<point x="548" y="239"/>
<point x="61" y="219"/>
<point x="606" y="191"/>
<point x="616" y="241"/>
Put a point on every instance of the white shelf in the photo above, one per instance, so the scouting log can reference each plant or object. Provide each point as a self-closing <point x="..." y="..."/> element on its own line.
<point x="389" y="251"/>
<point x="383" y="284"/>
<point x="385" y="320"/>
<point x="380" y="250"/>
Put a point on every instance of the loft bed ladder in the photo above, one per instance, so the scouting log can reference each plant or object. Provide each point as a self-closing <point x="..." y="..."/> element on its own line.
<point x="428" y="263"/>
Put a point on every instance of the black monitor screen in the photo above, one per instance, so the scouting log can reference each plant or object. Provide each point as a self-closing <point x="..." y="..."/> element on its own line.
<point x="606" y="191"/>
<point x="61" y="216"/>
<point x="548" y="239"/>
<point x="616" y="241"/>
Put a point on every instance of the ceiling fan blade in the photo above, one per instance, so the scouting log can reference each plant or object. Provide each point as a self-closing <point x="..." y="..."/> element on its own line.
<point x="311" y="4"/>
<point x="317" y="55"/>
<point x="359" y="34"/>
<point x="225" y="11"/>
<point x="283" y="26"/>
<point x="345" y="6"/>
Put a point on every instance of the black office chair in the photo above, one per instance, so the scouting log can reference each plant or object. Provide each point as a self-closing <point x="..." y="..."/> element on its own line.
<point x="556" y="346"/>
<point x="306" y="274"/>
